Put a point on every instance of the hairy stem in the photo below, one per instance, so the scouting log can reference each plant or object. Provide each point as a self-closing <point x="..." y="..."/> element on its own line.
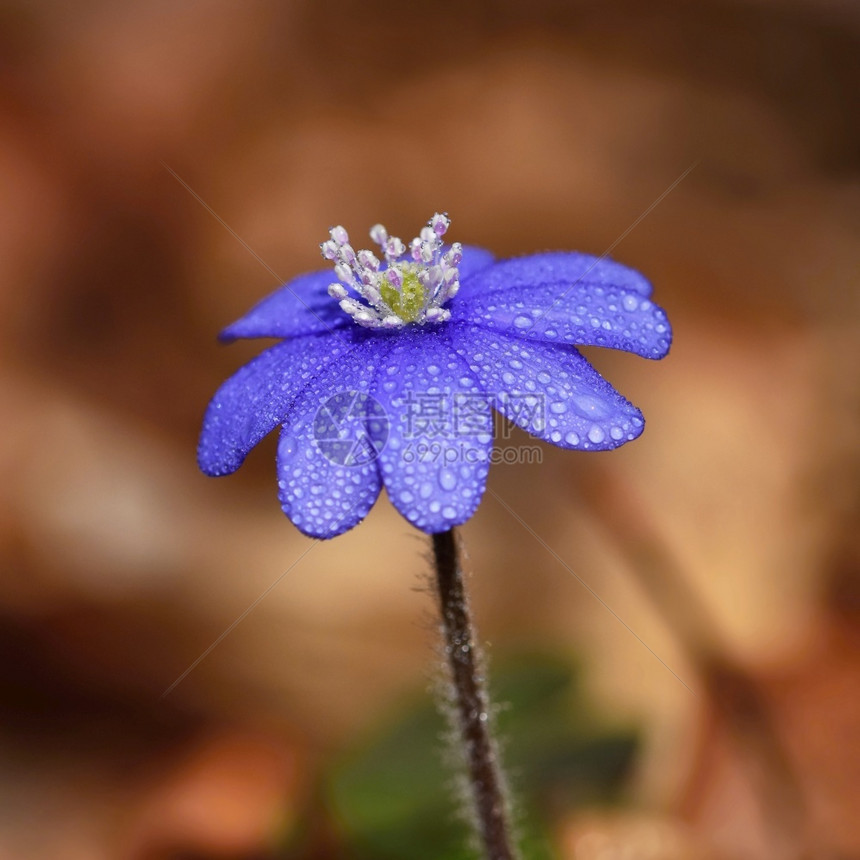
<point x="471" y="703"/>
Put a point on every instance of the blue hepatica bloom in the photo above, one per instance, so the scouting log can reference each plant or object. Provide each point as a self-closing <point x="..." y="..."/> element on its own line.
<point x="388" y="377"/>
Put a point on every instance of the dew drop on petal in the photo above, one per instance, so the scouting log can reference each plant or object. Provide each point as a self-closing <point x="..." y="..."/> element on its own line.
<point x="523" y="322"/>
<point x="596" y="434"/>
<point x="571" y="438"/>
<point x="616" y="433"/>
<point x="447" y="479"/>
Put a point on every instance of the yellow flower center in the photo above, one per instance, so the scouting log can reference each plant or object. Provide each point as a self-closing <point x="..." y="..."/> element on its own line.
<point x="409" y="302"/>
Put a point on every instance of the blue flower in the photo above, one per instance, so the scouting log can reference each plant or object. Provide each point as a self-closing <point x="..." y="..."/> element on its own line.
<point x="388" y="377"/>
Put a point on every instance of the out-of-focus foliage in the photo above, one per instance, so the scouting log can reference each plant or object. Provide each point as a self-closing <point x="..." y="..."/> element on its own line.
<point x="395" y="797"/>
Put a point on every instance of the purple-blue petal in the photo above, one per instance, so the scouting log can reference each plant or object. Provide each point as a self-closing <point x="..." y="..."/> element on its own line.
<point x="328" y="475"/>
<point x="550" y="391"/>
<point x="583" y="314"/>
<point x="474" y="260"/>
<point x="556" y="267"/>
<point x="301" y="306"/>
<point x="252" y="402"/>
<point x="435" y="464"/>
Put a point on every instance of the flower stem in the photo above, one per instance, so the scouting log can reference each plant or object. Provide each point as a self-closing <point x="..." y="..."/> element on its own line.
<point x="471" y="703"/>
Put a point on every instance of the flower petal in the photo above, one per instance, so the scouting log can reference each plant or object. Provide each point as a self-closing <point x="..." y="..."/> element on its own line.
<point x="550" y="391"/>
<point x="301" y="306"/>
<point x="581" y="314"/>
<point x="328" y="476"/>
<point x="474" y="260"/>
<point x="558" y="267"/>
<point x="437" y="457"/>
<point x="257" y="398"/>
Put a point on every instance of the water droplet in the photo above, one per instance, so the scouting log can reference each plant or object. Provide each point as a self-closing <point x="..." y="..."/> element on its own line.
<point x="596" y="434"/>
<point x="447" y="479"/>
<point x="616" y="433"/>
<point x="559" y="407"/>
<point x="630" y="303"/>
<point x="571" y="438"/>
<point x="449" y="513"/>
<point x="523" y="322"/>
<point x="426" y="490"/>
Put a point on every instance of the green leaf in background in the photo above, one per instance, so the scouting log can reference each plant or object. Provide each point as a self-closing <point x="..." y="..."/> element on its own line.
<point x="394" y="798"/>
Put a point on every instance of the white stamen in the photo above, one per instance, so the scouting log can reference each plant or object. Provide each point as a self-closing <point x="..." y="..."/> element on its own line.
<point x="440" y="223"/>
<point x="344" y="273"/>
<point x="455" y="255"/>
<point x="362" y="273"/>
<point x="394" y="248"/>
<point x="369" y="260"/>
<point x="379" y="234"/>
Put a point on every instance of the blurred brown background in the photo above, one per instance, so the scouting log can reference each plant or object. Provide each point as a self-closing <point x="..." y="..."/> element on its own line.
<point x="725" y="537"/>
